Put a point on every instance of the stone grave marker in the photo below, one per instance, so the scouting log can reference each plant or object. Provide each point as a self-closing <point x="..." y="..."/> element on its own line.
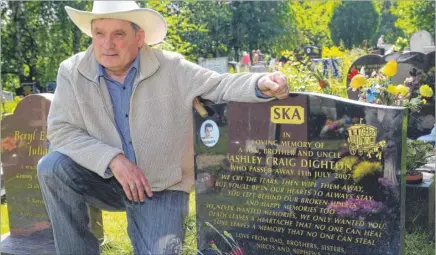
<point x="414" y="69"/>
<point x="369" y="63"/>
<point x="24" y="143"/>
<point x="420" y="40"/>
<point x="311" y="174"/>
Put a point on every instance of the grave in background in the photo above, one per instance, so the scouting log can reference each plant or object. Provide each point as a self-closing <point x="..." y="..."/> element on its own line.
<point x="24" y="142"/>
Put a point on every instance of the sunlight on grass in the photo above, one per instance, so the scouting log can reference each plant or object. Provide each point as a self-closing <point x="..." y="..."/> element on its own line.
<point x="115" y="230"/>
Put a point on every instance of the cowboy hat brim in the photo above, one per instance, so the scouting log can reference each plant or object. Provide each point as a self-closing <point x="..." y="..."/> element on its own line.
<point x="150" y="21"/>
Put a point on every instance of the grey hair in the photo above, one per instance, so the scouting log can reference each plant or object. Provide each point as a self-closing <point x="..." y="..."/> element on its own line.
<point x="135" y="27"/>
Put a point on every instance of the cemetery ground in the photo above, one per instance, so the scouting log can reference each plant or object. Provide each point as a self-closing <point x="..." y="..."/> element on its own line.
<point x="118" y="243"/>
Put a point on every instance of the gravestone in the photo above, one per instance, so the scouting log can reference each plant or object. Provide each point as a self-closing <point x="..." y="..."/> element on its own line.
<point x="414" y="70"/>
<point x="369" y="63"/>
<point x="24" y="143"/>
<point x="420" y="40"/>
<point x="311" y="174"/>
<point x="219" y="65"/>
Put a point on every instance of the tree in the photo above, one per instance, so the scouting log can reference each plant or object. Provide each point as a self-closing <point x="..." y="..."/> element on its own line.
<point x="414" y="16"/>
<point x="33" y="45"/>
<point x="387" y="25"/>
<point x="312" y="18"/>
<point x="353" y="22"/>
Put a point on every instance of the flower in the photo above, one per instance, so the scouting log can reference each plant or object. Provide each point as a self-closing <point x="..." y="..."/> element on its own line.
<point x="372" y="94"/>
<point x="390" y="69"/>
<point x="346" y="161"/>
<point x="392" y="89"/>
<point x="238" y="251"/>
<point x="423" y="101"/>
<point x="322" y="84"/>
<point x="402" y="90"/>
<point x="366" y="168"/>
<point x="9" y="143"/>
<point x="357" y="82"/>
<point x="353" y="73"/>
<point x="425" y="91"/>
<point x="355" y="208"/>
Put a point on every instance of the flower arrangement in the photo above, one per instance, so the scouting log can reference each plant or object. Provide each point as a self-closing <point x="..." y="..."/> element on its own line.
<point x="346" y="161"/>
<point x="378" y="89"/>
<point x="366" y="168"/>
<point x="336" y="126"/>
<point x="356" y="208"/>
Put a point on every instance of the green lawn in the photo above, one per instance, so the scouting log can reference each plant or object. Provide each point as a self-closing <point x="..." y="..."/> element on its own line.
<point x="117" y="241"/>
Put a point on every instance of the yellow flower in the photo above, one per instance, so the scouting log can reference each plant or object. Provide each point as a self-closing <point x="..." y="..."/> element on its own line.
<point x="392" y="89"/>
<point x="358" y="81"/>
<point x="424" y="101"/>
<point x="425" y="91"/>
<point x="403" y="90"/>
<point x="348" y="162"/>
<point x="390" y="69"/>
<point x="366" y="168"/>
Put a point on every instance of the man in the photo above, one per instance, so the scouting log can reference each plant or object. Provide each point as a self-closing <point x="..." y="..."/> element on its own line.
<point x="381" y="45"/>
<point x="108" y="126"/>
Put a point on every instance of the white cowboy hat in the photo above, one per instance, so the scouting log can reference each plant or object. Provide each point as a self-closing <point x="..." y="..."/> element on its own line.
<point x="151" y="21"/>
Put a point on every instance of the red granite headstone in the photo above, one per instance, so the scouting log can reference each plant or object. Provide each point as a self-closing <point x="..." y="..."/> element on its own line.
<point x="24" y="143"/>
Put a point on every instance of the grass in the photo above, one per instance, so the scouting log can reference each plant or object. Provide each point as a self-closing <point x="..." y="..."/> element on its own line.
<point x="118" y="243"/>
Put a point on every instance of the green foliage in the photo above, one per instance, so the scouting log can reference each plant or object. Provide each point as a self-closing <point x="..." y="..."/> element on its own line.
<point x="386" y="26"/>
<point x="312" y="19"/>
<point x="417" y="154"/>
<point x="299" y="75"/>
<point x="353" y="22"/>
<point x="36" y="37"/>
<point x="9" y="106"/>
<point x="400" y="44"/>
<point x="415" y="15"/>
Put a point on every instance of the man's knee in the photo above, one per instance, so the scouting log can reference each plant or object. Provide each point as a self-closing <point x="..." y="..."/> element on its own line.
<point x="51" y="163"/>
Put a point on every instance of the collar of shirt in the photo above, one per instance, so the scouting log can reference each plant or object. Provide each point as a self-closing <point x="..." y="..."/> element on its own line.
<point x="102" y="73"/>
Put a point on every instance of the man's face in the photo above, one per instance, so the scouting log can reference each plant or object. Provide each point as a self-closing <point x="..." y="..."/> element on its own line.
<point x="115" y="43"/>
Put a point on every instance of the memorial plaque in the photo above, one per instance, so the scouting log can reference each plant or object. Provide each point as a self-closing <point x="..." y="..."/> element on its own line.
<point x="311" y="174"/>
<point x="24" y="143"/>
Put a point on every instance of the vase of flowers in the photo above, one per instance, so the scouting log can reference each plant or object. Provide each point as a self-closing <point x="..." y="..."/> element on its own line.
<point x="378" y="89"/>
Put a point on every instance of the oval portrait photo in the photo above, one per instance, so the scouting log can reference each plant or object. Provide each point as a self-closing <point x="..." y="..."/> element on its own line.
<point x="209" y="133"/>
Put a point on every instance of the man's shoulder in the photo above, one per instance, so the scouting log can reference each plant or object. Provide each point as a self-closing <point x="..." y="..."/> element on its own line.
<point x="166" y="56"/>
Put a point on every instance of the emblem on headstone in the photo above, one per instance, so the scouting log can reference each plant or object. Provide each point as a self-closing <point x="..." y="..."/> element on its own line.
<point x="362" y="139"/>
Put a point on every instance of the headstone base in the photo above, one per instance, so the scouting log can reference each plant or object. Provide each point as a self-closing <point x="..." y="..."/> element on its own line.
<point x="420" y="207"/>
<point x="39" y="244"/>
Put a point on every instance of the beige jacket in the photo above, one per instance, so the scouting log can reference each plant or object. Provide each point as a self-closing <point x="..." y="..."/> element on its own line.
<point x="81" y="122"/>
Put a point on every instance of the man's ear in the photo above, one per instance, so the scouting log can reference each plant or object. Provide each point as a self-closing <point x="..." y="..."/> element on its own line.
<point x="140" y="36"/>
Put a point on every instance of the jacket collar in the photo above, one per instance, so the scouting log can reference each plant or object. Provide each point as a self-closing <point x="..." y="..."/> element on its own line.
<point x="147" y="61"/>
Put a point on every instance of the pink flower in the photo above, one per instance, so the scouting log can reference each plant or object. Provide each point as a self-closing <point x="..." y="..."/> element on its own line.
<point x="238" y="251"/>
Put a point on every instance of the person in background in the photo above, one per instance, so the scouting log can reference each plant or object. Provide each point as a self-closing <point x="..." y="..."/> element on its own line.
<point x="255" y="57"/>
<point x="245" y="61"/>
<point x="120" y="129"/>
<point x="381" y="45"/>
<point x="365" y="45"/>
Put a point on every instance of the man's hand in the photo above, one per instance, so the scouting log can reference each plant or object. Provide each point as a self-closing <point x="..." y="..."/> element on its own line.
<point x="131" y="178"/>
<point x="274" y="85"/>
